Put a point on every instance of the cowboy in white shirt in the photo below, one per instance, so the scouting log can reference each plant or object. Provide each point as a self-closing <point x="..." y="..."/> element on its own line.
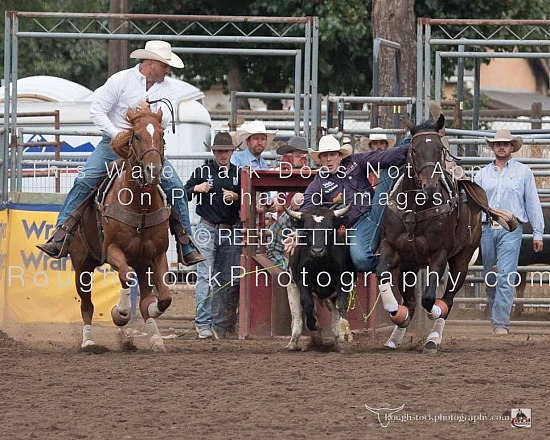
<point x="130" y="88"/>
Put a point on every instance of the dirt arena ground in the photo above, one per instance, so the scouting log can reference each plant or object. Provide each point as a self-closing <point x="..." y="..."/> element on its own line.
<point x="252" y="389"/>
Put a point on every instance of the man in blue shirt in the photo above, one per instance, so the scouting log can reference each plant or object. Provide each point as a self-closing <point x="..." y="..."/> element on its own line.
<point x="509" y="185"/>
<point x="256" y="138"/>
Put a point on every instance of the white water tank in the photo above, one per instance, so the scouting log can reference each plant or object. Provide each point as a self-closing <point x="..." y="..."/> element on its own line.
<point x="193" y="127"/>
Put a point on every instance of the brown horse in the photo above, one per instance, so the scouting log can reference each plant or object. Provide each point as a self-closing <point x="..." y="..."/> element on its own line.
<point x="428" y="223"/>
<point x="133" y="232"/>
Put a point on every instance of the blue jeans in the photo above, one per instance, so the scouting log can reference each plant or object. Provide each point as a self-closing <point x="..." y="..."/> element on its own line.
<point x="94" y="172"/>
<point x="368" y="229"/>
<point x="500" y="247"/>
<point x="217" y="293"/>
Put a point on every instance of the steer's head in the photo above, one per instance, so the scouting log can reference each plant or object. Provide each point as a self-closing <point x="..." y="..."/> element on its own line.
<point x="315" y="229"/>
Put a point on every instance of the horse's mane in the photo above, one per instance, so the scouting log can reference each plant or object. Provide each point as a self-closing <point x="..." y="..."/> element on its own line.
<point x="132" y="115"/>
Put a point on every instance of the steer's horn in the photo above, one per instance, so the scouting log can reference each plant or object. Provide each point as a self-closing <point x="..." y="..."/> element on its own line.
<point x="342" y="211"/>
<point x="296" y="215"/>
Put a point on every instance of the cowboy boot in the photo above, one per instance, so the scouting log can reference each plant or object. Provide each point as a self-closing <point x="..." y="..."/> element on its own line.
<point x="58" y="244"/>
<point x="182" y="238"/>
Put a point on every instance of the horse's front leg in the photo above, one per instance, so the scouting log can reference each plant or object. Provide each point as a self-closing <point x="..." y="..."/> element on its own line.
<point x="405" y="312"/>
<point x="152" y="307"/>
<point x="84" y="289"/>
<point x="116" y="258"/>
<point x="120" y="313"/>
<point x="439" y="309"/>
<point x="84" y="269"/>
<point x="160" y="281"/>
<point x="436" y="269"/>
<point x="385" y="271"/>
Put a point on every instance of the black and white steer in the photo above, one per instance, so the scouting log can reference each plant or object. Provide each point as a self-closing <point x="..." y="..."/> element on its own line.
<point x="320" y="267"/>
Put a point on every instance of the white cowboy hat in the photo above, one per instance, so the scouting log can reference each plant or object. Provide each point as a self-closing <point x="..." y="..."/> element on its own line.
<point x="327" y="144"/>
<point x="159" y="51"/>
<point x="379" y="137"/>
<point x="254" y="127"/>
<point x="504" y="135"/>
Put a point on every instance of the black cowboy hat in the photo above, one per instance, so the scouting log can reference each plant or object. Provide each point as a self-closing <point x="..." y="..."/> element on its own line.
<point x="295" y="143"/>
<point x="222" y="141"/>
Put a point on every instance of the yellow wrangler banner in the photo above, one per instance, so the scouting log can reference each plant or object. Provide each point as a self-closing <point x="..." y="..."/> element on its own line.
<point x="3" y="260"/>
<point x="39" y="288"/>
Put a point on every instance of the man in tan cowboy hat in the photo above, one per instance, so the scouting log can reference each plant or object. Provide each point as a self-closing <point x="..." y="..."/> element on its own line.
<point x="257" y="138"/>
<point x="131" y="88"/>
<point x="510" y="185"/>
<point x="379" y="141"/>
<point x="217" y="188"/>
<point x="343" y="179"/>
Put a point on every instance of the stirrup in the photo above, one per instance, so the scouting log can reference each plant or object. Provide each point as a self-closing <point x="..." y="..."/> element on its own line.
<point x="189" y="259"/>
<point x="56" y="249"/>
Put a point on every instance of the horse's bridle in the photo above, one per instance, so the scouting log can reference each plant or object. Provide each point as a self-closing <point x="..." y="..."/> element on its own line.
<point x="139" y="159"/>
<point x="418" y="170"/>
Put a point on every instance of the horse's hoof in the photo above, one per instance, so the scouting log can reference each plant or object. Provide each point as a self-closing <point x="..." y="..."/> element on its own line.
<point x="94" y="349"/>
<point x="430" y="348"/>
<point x="401" y="317"/>
<point x="292" y="346"/>
<point x="119" y="319"/>
<point x="87" y="343"/>
<point x="157" y="344"/>
<point x="390" y="345"/>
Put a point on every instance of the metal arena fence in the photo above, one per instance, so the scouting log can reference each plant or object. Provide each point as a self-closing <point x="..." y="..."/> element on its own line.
<point x="55" y="173"/>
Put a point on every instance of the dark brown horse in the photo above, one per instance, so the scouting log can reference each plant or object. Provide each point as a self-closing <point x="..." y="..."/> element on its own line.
<point x="134" y="230"/>
<point x="428" y="224"/>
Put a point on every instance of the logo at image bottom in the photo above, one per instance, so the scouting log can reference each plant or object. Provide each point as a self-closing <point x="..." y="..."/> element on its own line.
<point x="521" y="417"/>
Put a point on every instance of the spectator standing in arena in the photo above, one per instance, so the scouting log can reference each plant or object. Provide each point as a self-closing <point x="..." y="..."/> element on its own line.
<point x="510" y="185"/>
<point x="378" y="141"/>
<point x="256" y="138"/>
<point x="217" y="188"/>
<point x="294" y="153"/>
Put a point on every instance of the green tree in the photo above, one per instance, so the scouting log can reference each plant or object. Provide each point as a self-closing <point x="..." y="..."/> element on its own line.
<point x="345" y="47"/>
<point x="81" y="61"/>
<point x="344" y="60"/>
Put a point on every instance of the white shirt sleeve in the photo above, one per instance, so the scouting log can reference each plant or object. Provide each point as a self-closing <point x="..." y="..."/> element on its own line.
<point x="104" y="101"/>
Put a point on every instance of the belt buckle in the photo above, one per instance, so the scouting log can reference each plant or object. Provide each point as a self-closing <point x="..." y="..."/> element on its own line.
<point x="495" y="225"/>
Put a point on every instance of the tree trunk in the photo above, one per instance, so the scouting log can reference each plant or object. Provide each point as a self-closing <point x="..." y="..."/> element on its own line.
<point x="234" y="82"/>
<point x="118" y="49"/>
<point x="395" y="20"/>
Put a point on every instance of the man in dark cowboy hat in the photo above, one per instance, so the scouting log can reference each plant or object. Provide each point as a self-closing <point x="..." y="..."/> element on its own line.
<point x="294" y="152"/>
<point x="130" y="88"/>
<point x="509" y="185"/>
<point x="217" y="188"/>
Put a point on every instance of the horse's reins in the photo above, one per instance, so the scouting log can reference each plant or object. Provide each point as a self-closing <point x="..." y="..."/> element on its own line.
<point x="168" y="104"/>
<point x="418" y="170"/>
